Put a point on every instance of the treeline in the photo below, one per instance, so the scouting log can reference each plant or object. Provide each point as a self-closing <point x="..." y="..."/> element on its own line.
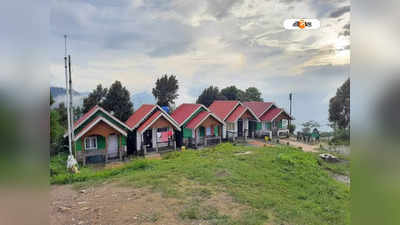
<point x="212" y="93"/>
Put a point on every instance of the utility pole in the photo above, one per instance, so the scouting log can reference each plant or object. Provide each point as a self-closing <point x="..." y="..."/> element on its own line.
<point x="67" y="96"/>
<point x="290" y="108"/>
<point x="71" y="162"/>
<point x="71" y="108"/>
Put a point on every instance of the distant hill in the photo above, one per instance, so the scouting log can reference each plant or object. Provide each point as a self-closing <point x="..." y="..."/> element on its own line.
<point x="59" y="91"/>
<point x="141" y="98"/>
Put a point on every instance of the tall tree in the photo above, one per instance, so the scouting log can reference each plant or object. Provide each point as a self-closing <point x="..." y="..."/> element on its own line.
<point x="166" y="90"/>
<point x="62" y="114"/>
<point x="252" y="94"/>
<point x="96" y="97"/>
<point x="232" y="93"/>
<point x="118" y="101"/>
<point x="209" y="95"/>
<point x="309" y="125"/>
<point x="339" y="107"/>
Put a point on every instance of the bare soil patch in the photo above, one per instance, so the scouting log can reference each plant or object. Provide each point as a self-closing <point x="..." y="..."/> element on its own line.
<point x="115" y="204"/>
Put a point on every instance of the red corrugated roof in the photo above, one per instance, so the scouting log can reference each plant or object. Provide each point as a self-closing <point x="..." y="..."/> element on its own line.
<point x="236" y="114"/>
<point x="258" y="107"/>
<point x="86" y="115"/>
<point x="270" y="114"/>
<point x="149" y="120"/>
<point x="139" y="114"/>
<point x="196" y="120"/>
<point x="222" y="108"/>
<point x="184" y="111"/>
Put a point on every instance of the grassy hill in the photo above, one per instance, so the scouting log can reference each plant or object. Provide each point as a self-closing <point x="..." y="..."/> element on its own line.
<point x="275" y="185"/>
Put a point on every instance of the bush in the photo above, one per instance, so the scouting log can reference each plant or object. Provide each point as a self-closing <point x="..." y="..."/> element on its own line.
<point x="341" y="137"/>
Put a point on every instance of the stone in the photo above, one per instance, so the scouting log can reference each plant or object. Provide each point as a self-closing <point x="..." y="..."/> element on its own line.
<point x="328" y="157"/>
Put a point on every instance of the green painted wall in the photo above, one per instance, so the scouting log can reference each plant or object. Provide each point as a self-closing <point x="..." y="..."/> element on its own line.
<point x="280" y="124"/>
<point x="202" y="131"/>
<point x="123" y="140"/>
<point x="78" y="145"/>
<point x="187" y="133"/>
<point x="216" y="130"/>
<point x="258" y="126"/>
<point x="101" y="142"/>
<point x="269" y="125"/>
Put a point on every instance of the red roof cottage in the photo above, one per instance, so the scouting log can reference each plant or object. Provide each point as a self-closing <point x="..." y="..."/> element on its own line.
<point x="199" y="126"/>
<point x="239" y="119"/>
<point x="152" y="129"/>
<point x="99" y="133"/>
<point x="273" y="120"/>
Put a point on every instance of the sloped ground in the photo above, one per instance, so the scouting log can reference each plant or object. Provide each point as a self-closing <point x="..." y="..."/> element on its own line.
<point x="224" y="185"/>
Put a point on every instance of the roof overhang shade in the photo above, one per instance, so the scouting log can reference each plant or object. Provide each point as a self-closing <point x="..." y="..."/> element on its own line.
<point x="153" y="118"/>
<point x="185" y="112"/>
<point x="96" y="121"/>
<point x="200" y="118"/>
<point x="272" y="114"/>
<point x="87" y="116"/>
<point x="239" y="112"/>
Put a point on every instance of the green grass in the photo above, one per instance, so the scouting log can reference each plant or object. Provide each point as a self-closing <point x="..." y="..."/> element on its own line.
<point x="279" y="184"/>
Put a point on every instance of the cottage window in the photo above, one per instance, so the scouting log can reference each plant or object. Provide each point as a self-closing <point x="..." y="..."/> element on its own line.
<point x="230" y="126"/>
<point x="208" y="131"/>
<point x="162" y="129"/>
<point x="91" y="142"/>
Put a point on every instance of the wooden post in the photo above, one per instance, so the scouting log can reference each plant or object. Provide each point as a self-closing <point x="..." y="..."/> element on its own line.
<point x="106" y="150"/>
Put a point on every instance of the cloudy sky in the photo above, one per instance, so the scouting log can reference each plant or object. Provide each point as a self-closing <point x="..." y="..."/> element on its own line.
<point x="203" y="43"/>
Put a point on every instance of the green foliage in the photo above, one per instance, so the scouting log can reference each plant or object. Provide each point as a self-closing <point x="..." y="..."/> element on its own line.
<point x="339" y="107"/>
<point x="232" y="93"/>
<point x="62" y="111"/>
<point x="292" y="128"/>
<point x="252" y="94"/>
<point x="96" y="97"/>
<point x="166" y="90"/>
<point x="341" y="137"/>
<point x="209" y="95"/>
<point x="118" y="101"/>
<point x="309" y="125"/>
<point x="56" y="132"/>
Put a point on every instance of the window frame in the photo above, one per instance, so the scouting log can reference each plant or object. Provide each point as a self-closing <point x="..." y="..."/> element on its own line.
<point x="89" y="140"/>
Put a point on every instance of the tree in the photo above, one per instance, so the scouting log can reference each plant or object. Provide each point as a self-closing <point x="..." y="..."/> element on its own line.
<point x="339" y="107"/>
<point x="96" y="97"/>
<point x="62" y="115"/>
<point x="232" y="93"/>
<point x="309" y="125"/>
<point x="77" y="113"/>
<point x="51" y="100"/>
<point x="166" y="90"/>
<point x="252" y="94"/>
<point x="292" y="128"/>
<point x="209" y="95"/>
<point x="118" y="101"/>
<point x="56" y="130"/>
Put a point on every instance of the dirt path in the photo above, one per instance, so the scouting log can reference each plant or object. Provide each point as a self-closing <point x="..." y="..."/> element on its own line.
<point x="305" y="147"/>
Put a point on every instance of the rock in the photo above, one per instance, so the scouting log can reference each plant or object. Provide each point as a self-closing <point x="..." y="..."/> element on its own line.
<point x="84" y="208"/>
<point x="82" y="191"/>
<point x="62" y="208"/>
<point x="328" y="157"/>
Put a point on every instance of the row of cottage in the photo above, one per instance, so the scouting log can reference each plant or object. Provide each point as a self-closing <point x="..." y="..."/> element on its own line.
<point x="151" y="128"/>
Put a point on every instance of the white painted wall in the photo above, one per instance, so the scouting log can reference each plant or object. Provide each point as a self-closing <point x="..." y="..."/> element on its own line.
<point x="138" y="140"/>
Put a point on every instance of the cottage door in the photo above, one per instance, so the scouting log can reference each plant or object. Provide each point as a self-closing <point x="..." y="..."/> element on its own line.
<point x="112" y="146"/>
